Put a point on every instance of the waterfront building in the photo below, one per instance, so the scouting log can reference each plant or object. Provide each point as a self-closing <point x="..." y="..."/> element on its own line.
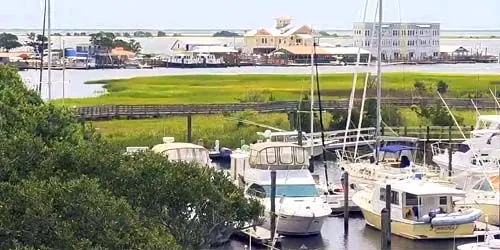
<point x="284" y="34"/>
<point x="450" y="52"/>
<point x="400" y="41"/>
<point x="325" y="54"/>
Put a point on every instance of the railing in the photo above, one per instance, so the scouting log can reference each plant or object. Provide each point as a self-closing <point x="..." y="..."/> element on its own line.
<point x="430" y="133"/>
<point x="151" y="111"/>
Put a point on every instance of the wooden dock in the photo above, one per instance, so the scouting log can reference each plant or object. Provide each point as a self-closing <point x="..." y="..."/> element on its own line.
<point x="259" y="236"/>
<point x="108" y="112"/>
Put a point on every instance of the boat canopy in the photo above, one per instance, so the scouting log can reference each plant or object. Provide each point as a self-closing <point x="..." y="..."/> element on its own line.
<point x="278" y="156"/>
<point x="396" y="148"/>
<point x="186" y="152"/>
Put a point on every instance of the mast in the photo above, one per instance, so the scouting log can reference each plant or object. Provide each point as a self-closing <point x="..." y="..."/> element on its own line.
<point x="49" y="44"/>
<point x="379" y="80"/>
<point x="41" y="47"/>
<point x="312" y="98"/>
<point x="64" y="69"/>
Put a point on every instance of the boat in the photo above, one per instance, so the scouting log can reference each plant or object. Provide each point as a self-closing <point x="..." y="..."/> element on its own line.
<point x="483" y="193"/>
<point x="420" y="210"/>
<point x="489" y="243"/>
<point x="136" y="64"/>
<point x="195" y="61"/>
<point x="80" y="62"/>
<point x="300" y="209"/>
<point x="183" y="152"/>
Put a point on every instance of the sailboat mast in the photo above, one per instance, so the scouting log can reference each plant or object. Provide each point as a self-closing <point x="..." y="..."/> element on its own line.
<point x="312" y="99"/>
<point x="379" y="80"/>
<point x="49" y="43"/>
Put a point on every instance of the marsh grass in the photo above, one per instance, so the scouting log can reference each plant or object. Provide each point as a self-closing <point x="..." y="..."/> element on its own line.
<point x="230" y="88"/>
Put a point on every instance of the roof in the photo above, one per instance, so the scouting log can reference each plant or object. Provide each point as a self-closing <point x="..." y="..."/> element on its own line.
<point x="451" y="48"/>
<point x="160" y="148"/>
<point x="293" y="30"/>
<point x="396" y="148"/>
<point x="263" y="145"/>
<point x="213" y="49"/>
<point x="425" y="188"/>
<point x="208" y="41"/>
<point x="304" y="50"/>
<point x="271" y="31"/>
<point x="119" y="51"/>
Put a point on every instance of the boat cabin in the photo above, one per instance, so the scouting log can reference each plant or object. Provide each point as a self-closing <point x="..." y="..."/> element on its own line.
<point x="416" y="200"/>
<point x="183" y="152"/>
<point x="397" y="156"/>
<point x="294" y="183"/>
<point x="486" y="124"/>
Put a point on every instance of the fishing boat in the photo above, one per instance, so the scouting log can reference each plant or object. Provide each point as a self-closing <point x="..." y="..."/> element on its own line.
<point x="483" y="193"/>
<point x="420" y="210"/>
<point x="300" y="209"/>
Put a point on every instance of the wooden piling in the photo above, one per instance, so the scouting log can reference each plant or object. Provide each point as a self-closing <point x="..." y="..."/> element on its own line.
<point x="189" y="128"/>
<point x="273" y="204"/>
<point x="386" y="219"/>
<point x="346" y="202"/>
<point x="428" y="136"/>
<point x="299" y="137"/>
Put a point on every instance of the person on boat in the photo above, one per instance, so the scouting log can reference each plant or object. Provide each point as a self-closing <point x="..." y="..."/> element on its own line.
<point x="405" y="162"/>
<point x="342" y="176"/>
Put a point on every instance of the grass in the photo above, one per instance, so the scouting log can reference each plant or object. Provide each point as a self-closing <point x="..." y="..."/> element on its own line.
<point x="230" y="88"/>
<point x="209" y="128"/>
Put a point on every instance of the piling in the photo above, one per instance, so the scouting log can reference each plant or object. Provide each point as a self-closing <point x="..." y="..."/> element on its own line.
<point x="386" y="219"/>
<point x="273" y="204"/>
<point x="450" y="153"/>
<point x="189" y="128"/>
<point x="299" y="137"/>
<point x="345" y="185"/>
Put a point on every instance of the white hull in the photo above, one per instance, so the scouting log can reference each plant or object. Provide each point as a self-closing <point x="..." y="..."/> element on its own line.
<point x="297" y="225"/>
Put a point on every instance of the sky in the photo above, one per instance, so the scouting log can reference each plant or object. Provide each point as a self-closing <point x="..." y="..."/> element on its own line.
<point x="238" y="14"/>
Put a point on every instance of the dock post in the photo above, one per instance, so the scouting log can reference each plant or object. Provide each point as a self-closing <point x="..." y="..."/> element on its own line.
<point x="189" y="128"/>
<point x="386" y="219"/>
<point x="273" y="204"/>
<point x="346" y="203"/>
<point x="299" y="137"/>
<point x="450" y="153"/>
<point x="428" y="137"/>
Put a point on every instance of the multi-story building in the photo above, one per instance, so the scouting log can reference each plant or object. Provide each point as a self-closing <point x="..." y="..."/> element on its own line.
<point x="284" y="34"/>
<point x="400" y="41"/>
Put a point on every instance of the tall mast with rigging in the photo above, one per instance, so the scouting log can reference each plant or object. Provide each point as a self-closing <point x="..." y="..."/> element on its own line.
<point x="49" y="44"/>
<point x="379" y="80"/>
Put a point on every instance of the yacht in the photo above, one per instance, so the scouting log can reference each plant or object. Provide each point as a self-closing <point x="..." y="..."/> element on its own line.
<point x="483" y="193"/>
<point x="419" y="210"/>
<point x="136" y="64"/>
<point x="80" y="62"/>
<point x="299" y="207"/>
<point x="183" y="152"/>
<point x="489" y="243"/>
<point x="195" y="61"/>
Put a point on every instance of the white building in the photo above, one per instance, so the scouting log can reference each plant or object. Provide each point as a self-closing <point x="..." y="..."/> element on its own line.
<point x="400" y="41"/>
<point x="284" y="34"/>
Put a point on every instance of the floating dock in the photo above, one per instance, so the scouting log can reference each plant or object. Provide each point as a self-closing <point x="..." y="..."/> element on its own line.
<point x="259" y="236"/>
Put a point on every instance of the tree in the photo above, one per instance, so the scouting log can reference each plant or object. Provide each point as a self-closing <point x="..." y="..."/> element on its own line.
<point x="225" y="33"/>
<point x="161" y="34"/>
<point x="62" y="186"/>
<point x="36" y="40"/>
<point x="103" y="39"/>
<point x="134" y="46"/>
<point x="57" y="34"/>
<point x="126" y="34"/>
<point x="76" y="34"/>
<point x="436" y="115"/>
<point x="118" y="34"/>
<point x="9" y="41"/>
<point x="68" y="34"/>
<point x="442" y="87"/>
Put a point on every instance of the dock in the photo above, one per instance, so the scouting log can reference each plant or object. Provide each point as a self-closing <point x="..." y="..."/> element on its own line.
<point x="259" y="236"/>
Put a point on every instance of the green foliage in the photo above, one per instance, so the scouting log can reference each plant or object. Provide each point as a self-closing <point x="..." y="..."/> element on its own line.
<point x="436" y="115"/>
<point x="142" y="34"/>
<point x="161" y="33"/>
<point x="109" y="40"/>
<point x="9" y="41"/>
<point x="126" y="34"/>
<point x="225" y="33"/>
<point x="68" y="34"/>
<point x="62" y="186"/>
<point x="253" y="96"/>
<point x="35" y="41"/>
<point x="442" y="87"/>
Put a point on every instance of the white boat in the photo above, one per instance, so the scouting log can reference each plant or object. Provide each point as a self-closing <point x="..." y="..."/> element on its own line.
<point x="79" y="62"/>
<point x="489" y="243"/>
<point x="136" y="64"/>
<point x="419" y="210"/>
<point x="183" y="152"/>
<point x="299" y="207"/>
<point x="482" y="193"/>
<point x="195" y="61"/>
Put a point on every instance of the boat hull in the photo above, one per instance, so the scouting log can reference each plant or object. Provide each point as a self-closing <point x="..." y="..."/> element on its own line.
<point x="297" y="225"/>
<point x="195" y="65"/>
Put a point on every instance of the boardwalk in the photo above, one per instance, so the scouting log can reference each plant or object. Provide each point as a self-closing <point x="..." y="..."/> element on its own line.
<point x="109" y="112"/>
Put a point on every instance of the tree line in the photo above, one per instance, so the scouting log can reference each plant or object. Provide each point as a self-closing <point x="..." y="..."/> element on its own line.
<point x="63" y="186"/>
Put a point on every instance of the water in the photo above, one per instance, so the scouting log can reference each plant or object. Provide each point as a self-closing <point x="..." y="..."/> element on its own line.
<point x="360" y="236"/>
<point x="75" y="88"/>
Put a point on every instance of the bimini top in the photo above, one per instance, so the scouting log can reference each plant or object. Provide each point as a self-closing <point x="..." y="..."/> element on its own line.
<point x="278" y="156"/>
<point x="425" y="188"/>
<point x="489" y="118"/>
<point x="396" y="148"/>
<point x="183" y="152"/>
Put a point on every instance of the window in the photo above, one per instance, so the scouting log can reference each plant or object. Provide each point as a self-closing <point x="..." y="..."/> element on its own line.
<point x="435" y="54"/>
<point x="271" y="155"/>
<point x="394" y="197"/>
<point x="286" y="155"/>
<point x="300" y="156"/>
<point x="382" y="194"/>
<point x="307" y="190"/>
<point x="443" y="201"/>
<point x="411" y="200"/>
<point x="486" y="186"/>
<point x="279" y="41"/>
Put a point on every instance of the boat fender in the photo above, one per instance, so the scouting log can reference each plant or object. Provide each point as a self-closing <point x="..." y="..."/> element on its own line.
<point x="456" y="218"/>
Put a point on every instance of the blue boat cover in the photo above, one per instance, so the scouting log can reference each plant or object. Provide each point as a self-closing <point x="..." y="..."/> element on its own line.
<point x="396" y="148"/>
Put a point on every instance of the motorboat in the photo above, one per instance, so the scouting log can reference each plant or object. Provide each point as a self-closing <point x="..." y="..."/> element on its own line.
<point x="483" y="193"/>
<point x="420" y="210"/>
<point x="136" y="64"/>
<point x="195" y="61"/>
<point x="183" y="152"/>
<point x="489" y="243"/>
<point x="396" y="162"/>
<point x="80" y="62"/>
<point x="299" y="207"/>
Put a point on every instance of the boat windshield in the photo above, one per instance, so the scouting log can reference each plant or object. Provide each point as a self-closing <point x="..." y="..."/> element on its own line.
<point x="306" y="190"/>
